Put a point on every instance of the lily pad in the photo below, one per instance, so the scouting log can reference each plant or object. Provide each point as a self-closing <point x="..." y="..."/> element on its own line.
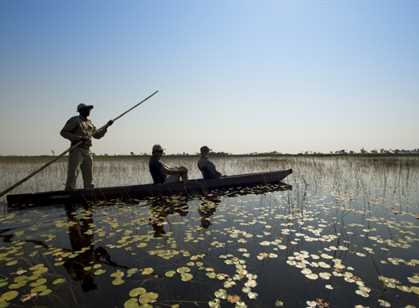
<point x="147" y="271"/>
<point x="9" y="296"/>
<point x="132" y="303"/>
<point x="149" y="297"/>
<point x="137" y="292"/>
<point x="58" y="281"/>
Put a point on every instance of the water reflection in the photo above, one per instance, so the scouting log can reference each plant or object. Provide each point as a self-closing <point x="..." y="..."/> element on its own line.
<point x="163" y="206"/>
<point x="81" y="240"/>
<point x="346" y="235"/>
<point x="207" y="208"/>
<point x="81" y="236"/>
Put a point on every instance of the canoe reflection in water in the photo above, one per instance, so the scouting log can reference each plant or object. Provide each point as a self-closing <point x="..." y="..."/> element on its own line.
<point x="210" y="202"/>
<point x="163" y="206"/>
<point x="81" y="236"/>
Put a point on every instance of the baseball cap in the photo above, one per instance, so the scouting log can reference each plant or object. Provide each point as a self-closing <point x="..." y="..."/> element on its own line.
<point x="82" y="106"/>
<point x="157" y="148"/>
<point x="205" y="149"/>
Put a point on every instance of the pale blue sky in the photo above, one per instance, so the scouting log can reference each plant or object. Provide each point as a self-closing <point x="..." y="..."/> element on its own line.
<point x="240" y="76"/>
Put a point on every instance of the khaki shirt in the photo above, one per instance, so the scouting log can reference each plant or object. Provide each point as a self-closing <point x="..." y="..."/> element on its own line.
<point x="78" y="127"/>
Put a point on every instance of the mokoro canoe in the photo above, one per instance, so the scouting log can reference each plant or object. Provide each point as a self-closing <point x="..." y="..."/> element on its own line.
<point x="141" y="191"/>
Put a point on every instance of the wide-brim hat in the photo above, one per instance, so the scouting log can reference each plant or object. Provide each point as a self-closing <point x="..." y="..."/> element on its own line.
<point x="82" y="106"/>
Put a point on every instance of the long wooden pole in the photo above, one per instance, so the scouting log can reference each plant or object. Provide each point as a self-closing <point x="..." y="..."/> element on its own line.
<point x="68" y="150"/>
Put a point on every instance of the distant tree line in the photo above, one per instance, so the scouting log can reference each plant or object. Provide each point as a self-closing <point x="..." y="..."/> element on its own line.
<point x="374" y="151"/>
<point x="361" y="152"/>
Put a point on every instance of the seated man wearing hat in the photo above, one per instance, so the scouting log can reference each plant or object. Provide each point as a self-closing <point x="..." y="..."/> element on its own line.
<point x="160" y="172"/>
<point x="80" y="128"/>
<point x="207" y="168"/>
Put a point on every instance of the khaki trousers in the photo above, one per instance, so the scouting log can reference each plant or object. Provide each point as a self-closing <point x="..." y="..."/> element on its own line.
<point x="82" y="158"/>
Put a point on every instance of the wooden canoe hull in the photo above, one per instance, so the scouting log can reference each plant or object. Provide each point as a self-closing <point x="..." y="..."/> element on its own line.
<point x="141" y="191"/>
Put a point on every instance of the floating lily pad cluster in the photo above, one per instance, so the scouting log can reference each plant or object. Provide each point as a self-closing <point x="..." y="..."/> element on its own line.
<point x="140" y="297"/>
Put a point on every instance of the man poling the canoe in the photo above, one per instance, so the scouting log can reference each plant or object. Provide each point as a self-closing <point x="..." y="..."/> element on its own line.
<point x="77" y="144"/>
<point x="81" y="129"/>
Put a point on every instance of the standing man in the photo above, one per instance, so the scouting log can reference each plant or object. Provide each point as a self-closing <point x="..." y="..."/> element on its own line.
<point x="206" y="166"/>
<point x="80" y="128"/>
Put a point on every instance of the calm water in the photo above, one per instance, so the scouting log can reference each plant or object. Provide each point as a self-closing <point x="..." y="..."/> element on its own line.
<point x="347" y="234"/>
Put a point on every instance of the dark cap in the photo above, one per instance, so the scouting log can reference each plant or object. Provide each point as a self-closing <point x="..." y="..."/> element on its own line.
<point x="157" y="148"/>
<point x="205" y="149"/>
<point x="82" y="106"/>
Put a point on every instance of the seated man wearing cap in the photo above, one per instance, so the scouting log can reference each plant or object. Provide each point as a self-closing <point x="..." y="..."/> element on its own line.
<point x="160" y="172"/>
<point x="80" y="128"/>
<point x="207" y="168"/>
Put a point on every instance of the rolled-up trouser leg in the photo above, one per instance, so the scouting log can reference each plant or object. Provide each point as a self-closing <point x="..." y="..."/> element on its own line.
<point x="87" y="169"/>
<point x="74" y="160"/>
